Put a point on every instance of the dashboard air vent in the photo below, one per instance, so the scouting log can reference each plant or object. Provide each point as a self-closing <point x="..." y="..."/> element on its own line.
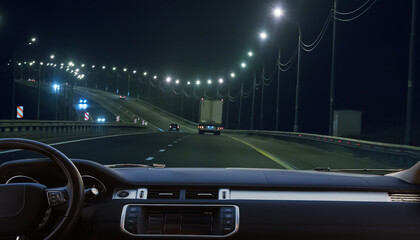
<point x="202" y="194"/>
<point x="408" y="197"/>
<point x="163" y="194"/>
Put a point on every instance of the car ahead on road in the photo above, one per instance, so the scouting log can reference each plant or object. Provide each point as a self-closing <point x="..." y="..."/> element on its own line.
<point x="121" y="97"/>
<point x="174" y="127"/>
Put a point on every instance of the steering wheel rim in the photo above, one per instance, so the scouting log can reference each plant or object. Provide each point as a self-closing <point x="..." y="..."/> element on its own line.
<point x="74" y="186"/>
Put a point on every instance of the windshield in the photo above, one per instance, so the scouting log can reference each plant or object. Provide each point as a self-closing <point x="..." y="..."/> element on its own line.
<point x="298" y="85"/>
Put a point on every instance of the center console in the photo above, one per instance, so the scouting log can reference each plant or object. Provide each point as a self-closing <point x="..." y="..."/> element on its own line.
<point x="180" y="220"/>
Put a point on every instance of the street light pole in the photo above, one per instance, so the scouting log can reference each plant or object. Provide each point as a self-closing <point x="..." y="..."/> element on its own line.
<point x="262" y="98"/>
<point x="296" y="124"/>
<point x="56" y="105"/>
<point x="39" y="93"/>
<point x="106" y="80"/>
<point x="253" y="102"/>
<point x="148" y="91"/>
<point x="240" y="106"/>
<point x="128" y="84"/>
<point x="407" y="138"/>
<point x="278" y="92"/>
<point x="227" y="110"/>
<point x="182" y="101"/>
<point x="193" y="106"/>
<point x="331" y="116"/>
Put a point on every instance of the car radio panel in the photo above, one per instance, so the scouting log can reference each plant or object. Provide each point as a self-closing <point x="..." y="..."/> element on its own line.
<point x="177" y="220"/>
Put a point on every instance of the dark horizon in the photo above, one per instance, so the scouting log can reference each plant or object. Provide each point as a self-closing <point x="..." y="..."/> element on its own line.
<point x="193" y="40"/>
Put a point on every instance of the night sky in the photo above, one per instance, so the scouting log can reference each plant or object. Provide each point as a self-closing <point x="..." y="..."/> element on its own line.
<point x="207" y="39"/>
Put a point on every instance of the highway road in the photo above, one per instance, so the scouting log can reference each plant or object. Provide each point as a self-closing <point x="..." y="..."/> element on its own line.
<point x="189" y="149"/>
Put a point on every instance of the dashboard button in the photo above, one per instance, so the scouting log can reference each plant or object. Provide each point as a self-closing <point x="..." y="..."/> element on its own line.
<point x="123" y="194"/>
<point x="131" y="228"/>
<point x="228" y="222"/>
<point x="133" y="209"/>
<point x="133" y="214"/>
<point x="226" y="210"/>
<point x="131" y="220"/>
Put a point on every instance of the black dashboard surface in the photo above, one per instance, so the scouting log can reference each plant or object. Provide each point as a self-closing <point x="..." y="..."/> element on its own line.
<point x="259" y="219"/>
<point x="229" y="177"/>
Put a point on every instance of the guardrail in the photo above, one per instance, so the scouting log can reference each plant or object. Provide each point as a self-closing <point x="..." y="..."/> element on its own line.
<point x="34" y="127"/>
<point x="384" y="152"/>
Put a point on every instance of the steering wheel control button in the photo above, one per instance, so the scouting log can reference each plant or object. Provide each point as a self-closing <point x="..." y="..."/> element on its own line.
<point x="55" y="198"/>
<point x="123" y="194"/>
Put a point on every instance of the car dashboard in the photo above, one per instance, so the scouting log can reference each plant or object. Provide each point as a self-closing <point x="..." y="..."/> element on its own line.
<point x="232" y="203"/>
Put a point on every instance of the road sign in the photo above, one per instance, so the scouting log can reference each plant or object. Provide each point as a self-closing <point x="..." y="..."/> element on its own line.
<point x="135" y="120"/>
<point x="117" y="118"/>
<point x="19" y="112"/>
<point x="87" y="116"/>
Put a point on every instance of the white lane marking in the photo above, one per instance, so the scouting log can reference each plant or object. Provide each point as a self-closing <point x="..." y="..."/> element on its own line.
<point x="175" y="141"/>
<point x="149" y="158"/>
<point x="82" y="140"/>
<point x="169" y="145"/>
<point x="162" y="150"/>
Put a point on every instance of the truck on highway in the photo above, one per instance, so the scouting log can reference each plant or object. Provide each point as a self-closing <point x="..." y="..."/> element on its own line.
<point x="210" y="117"/>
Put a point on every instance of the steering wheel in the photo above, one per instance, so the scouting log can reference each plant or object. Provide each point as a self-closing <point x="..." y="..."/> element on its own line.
<point x="23" y="205"/>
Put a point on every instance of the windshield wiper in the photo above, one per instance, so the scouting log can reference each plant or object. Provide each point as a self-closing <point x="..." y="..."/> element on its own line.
<point x="123" y="165"/>
<point x="369" y="170"/>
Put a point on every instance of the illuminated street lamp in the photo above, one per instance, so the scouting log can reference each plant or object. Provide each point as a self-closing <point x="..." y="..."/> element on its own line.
<point x="145" y="74"/>
<point x="103" y="67"/>
<point x="33" y="39"/>
<point x="278" y="12"/>
<point x="93" y="66"/>
<point x="232" y="75"/>
<point x="188" y="83"/>
<point x="134" y="71"/>
<point x="263" y="35"/>
<point x="52" y="56"/>
<point x="114" y="68"/>
<point x="220" y="80"/>
<point x="250" y="53"/>
<point x="197" y="82"/>
<point x="177" y="81"/>
<point x="209" y="81"/>
<point x="56" y="87"/>
<point x="168" y="79"/>
<point x="83" y="65"/>
<point x="243" y="65"/>
<point x="71" y="64"/>
<point x="155" y="77"/>
<point x="125" y="69"/>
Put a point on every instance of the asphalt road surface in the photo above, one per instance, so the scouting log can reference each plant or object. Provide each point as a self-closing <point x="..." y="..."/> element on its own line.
<point x="189" y="149"/>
